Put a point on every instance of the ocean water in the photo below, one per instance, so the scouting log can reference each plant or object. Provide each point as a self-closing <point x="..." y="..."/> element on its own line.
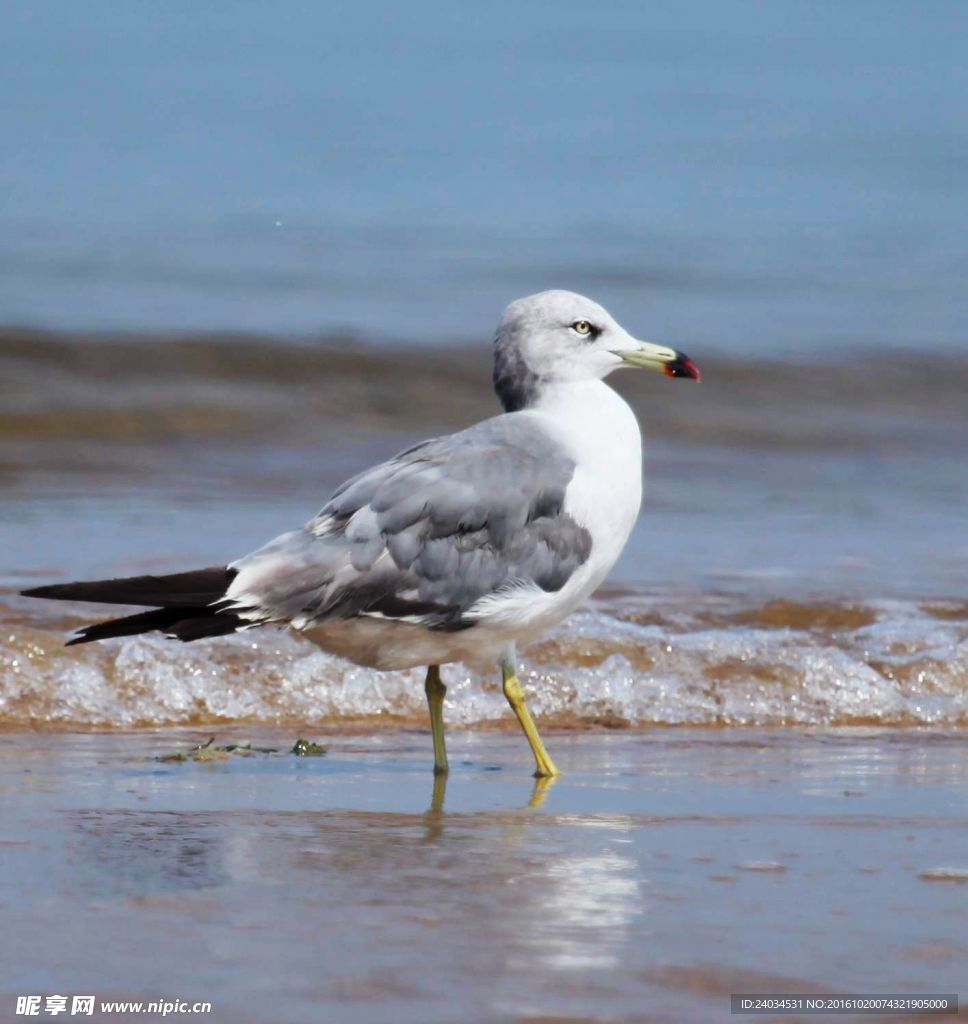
<point x="765" y="176"/>
<point x="247" y="250"/>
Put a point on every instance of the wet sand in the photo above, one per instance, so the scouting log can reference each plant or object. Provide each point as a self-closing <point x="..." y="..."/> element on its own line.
<point x="666" y="869"/>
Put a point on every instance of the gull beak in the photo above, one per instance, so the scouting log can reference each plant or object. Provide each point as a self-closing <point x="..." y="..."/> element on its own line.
<point x="658" y="357"/>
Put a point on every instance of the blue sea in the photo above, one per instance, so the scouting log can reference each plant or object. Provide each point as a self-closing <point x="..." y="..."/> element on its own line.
<point x="772" y="177"/>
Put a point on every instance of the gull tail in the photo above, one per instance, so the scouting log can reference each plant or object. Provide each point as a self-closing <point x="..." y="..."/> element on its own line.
<point x="186" y="605"/>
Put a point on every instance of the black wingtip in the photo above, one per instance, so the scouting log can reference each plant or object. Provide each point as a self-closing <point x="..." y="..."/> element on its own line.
<point x="199" y="588"/>
<point x="185" y="624"/>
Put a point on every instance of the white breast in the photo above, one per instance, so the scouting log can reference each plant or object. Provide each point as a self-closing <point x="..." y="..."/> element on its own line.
<point x="602" y="435"/>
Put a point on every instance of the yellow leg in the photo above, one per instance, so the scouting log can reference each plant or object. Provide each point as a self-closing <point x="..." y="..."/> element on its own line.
<point x="544" y="766"/>
<point x="435" y="690"/>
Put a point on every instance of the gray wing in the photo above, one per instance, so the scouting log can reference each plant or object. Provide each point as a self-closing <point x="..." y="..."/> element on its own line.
<point x="426" y="535"/>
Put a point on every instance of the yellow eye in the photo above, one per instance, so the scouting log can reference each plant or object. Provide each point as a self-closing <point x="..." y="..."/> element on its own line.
<point x="582" y="327"/>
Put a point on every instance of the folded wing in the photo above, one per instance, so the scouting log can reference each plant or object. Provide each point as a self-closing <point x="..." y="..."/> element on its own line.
<point x="427" y="535"/>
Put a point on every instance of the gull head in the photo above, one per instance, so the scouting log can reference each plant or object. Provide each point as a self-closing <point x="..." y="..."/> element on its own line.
<point x="557" y="337"/>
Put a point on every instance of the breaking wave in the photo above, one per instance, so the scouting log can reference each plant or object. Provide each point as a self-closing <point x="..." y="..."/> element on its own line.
<point x="629" y="660"/>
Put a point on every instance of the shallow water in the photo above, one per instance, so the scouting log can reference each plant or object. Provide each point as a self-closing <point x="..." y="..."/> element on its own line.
<point x="665" y="870"/>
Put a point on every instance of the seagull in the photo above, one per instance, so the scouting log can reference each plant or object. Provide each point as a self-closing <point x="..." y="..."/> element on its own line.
<point x="463" y="548"/>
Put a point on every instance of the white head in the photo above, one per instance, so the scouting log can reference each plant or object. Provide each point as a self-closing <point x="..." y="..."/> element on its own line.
<point x="556" y="337"/>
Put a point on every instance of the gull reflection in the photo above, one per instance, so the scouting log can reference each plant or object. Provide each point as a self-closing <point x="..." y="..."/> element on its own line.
<point x="540" y="788"/>
<point x="566" y="911"/>
<point x="576" y="909"/>
<point x="531" y="892"/>
<point x="587" y="905"/>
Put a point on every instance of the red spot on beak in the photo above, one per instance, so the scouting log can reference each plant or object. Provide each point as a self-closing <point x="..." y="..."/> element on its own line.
<point x="682" y="366"/>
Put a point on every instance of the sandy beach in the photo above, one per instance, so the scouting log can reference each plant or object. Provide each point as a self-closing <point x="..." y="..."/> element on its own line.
<point x="664" y="871"/>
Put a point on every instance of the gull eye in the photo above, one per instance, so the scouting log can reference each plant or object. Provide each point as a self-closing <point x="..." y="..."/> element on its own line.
<point x="581" y="327"/>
